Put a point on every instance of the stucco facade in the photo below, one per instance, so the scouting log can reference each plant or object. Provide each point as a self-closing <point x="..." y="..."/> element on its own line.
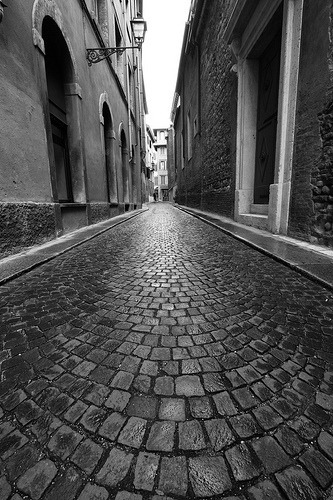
<point x="70" y="140"/>
<point x="252" y="114"/>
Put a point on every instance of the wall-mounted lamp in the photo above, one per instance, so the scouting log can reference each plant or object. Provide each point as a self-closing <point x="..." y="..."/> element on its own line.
<point x="2" y="12"/>
<point x="139" y="28"/>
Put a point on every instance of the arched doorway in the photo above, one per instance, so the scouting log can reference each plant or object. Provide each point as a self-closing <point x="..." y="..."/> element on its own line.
<point x="124" y="165"/>
<point x="59" y="71"/>
<point x="108" y="143"/>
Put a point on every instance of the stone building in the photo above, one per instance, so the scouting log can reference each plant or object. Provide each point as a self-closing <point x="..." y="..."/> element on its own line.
<point x="72" y="135"/>
<point x="161" y="172"/>
<point x="253" y="114"/>
<point x="171" y="164"/>
<point x="150" y="161"/>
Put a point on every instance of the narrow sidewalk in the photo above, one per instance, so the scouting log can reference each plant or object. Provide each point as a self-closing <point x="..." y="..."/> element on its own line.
<point x="312" y="261"/>
<point x="15" y="265"/>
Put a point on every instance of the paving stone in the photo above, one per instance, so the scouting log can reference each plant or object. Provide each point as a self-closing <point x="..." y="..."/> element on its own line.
<point x="245" y="398"/>
<point x="133" y="432"/>
<point x="264" y="490"/>
<point x="173" y="476"/>
<point x="75" y="412"/>
<point x="22" y="460"/>
<point x="92" y="418"/>
<point x="87" y="455"/>
<point x="93" y="492"/>
<point x="149" y="368"/>
<point x="142" y="406"/>
<point x="213" y="382"/>
<point x="243" y="464"/>
<point x="5" y="488"/>
<point x="283" y="407"/>
<point x="118" y="400"/>
<point x="12" y="400"/>
<point x="190" y="366"/>
<point x="172" y="409"/>
<point x="164" y="386"/>
<point x="297" y="485"/>
<point x="208" y="476"/>
<point x="12" y="442"/>
<point x="325" y="441"/>
<point x="320" y="468"/>
<point x="224" y="404"/>
<point x="145" y="471"/>
<point x="66" y="485"/>
<point x="115" y="468"/>
<point x="161" y="436"/>
<point x="305" y="428"/>
<point x="201" y="407"/>
<point x="122" y="380"/>
<point x="112" y="426"/>
<point x="189" y="385"/>
<point x="142" y="383"/>
<point x="170" y="367"/>
<point x="84" y="368"/>
<point x="160" y="354"/>
<point x="191" y="436"/>
<point x="271" y="454"/>
<point x="267" y="417"/>
<point x="142" y="351"/>
<point x="36" y="479"/>
<point x="45" y="427"/>
<point x="64" y="442"/>
<point x="126" y="495"/>
<point x="324" y="400"/>
<point x="245" y="425"/>
<point x="289" y="440"/>
<point x="219" y="433"/>
<point x="97" y="394"/>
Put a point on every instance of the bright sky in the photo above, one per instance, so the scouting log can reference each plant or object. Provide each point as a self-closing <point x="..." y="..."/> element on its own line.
<point x="161" y="53"/>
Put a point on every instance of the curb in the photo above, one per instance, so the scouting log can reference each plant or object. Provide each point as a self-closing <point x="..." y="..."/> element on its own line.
<point x="44" y="260"/>
<point x="294" y="267"/>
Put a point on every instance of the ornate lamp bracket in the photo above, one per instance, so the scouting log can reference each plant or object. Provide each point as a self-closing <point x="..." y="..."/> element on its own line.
<point x="98" y="54"/>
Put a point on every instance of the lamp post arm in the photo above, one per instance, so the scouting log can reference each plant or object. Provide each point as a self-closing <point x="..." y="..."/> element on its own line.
<point x="96" y="55"/>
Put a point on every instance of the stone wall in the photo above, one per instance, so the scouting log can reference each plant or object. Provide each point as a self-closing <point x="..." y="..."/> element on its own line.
<point x="208" y="178"/>
<point x="311" y="208"/>
<point x="23" y="225"/>
<point x="219" y="112"/>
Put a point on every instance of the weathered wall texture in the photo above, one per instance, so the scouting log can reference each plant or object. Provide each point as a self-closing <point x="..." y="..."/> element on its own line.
<point x="30" y="211"/>
<point x="209" y="90"/>
<point x="219" y="112"/>
<point x="311" y="209"/>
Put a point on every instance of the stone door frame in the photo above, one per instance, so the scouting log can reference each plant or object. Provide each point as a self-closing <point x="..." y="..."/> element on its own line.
<point x="242" y="32"/>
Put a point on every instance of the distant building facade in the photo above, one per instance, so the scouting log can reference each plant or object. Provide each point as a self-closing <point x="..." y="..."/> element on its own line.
<point x="253" y="114"/>
<point x="161" y="172"/>
<point x="72" y="136"/>
<point x="171" y="164"/>
<point x="150" y="164"/>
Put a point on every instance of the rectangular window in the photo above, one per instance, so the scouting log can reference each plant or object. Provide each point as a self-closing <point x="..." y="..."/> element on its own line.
<point x="162" y="165"/>
<point x="163" y="179"/>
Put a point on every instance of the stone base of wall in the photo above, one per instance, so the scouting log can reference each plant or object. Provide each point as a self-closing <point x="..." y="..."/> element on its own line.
<point x="23" y="225"/>
<point x="99" y="212"/>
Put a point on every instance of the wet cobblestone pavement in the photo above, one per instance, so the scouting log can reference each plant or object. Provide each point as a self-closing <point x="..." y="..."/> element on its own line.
<point x="165" y="360"/>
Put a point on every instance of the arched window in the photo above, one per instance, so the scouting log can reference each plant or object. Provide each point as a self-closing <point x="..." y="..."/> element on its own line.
<point x="59" y="71"/>
<point x="125" y="168"/>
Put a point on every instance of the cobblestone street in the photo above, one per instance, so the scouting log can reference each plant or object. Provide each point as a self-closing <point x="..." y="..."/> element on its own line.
<point x="165" y="360"/>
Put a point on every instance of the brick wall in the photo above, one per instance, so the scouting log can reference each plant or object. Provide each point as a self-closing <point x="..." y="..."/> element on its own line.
<point x="311" y="208"/>
<point x="208" y="179"/>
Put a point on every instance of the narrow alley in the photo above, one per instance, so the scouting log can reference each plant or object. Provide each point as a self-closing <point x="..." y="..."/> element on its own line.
<point x="165" y="360"/>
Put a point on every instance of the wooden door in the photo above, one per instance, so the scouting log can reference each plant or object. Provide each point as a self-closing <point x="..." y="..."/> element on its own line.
<point x="269" y="72"/>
